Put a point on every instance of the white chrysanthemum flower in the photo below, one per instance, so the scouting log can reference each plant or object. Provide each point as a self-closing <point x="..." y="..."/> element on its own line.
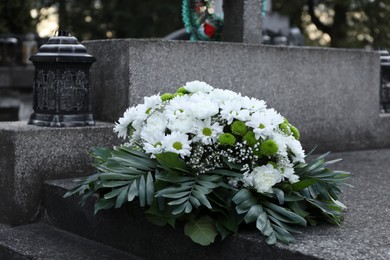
<point x="281" y="141"/>
<point x="151" y="103"/>
<point x="121" y="127"/>
<point x="201" y="106"/>
<point x="183" y="124"/>
<point x="288" y="173"/>
<point x="156" y="122"/>
<point x="206" y="132"/>
<point x="231" y="110"/>
<point x="152" y="141"/>
<point x="220" y="96"/>
<point x="178" y="143"/>
<point x="253" y="104"/>
<point x="265" y="177"/>
<point x="198" y="86"/>
<point x="264" y="123"/>
<point x="298" y="154"/>
<point x="178" y="107"/>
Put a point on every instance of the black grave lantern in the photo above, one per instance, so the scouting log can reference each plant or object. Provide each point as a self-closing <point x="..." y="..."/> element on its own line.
<point x="61" y="89"/>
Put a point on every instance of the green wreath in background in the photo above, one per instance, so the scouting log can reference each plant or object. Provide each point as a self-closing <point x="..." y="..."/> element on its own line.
<point x="203" y="19"/>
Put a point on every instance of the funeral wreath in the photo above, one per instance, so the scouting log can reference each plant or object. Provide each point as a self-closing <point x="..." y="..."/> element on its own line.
<point x="216" y="160"/>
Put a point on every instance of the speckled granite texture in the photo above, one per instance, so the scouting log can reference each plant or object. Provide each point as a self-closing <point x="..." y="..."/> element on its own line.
<point x="331" y="95"/>
<point x="30" y="154"/>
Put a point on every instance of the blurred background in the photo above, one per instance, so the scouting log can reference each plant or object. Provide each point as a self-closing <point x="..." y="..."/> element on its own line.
<point x="334" y="23"/>
<point x="27" y="24"/>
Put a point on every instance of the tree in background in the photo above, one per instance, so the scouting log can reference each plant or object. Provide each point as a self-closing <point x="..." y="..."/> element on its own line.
<point x="15" y="17"/>
<point x="335" y="23"/>
<point x="340" y="23"/>
<point x="99" y="19"/>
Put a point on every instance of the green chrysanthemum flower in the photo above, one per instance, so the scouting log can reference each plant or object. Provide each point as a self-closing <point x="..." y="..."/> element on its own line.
<point x="226" y="139"/>
<point x="182" y="90"/>
<point x="250" y="138"/>
<point x="166" y="96"/>
<point x="238" y="128"/>
<point x="295" y="132"/>
<point x="285" y="128"/>
<point x="269" y="148"/>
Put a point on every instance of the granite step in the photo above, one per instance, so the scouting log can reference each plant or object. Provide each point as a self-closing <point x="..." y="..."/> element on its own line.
<point x="364" y="235"/>
<point x="41" y="241"/>
<point x="128" y="230"/>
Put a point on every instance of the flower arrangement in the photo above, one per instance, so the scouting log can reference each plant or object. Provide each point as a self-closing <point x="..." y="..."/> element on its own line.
<point x="214" y="159"/>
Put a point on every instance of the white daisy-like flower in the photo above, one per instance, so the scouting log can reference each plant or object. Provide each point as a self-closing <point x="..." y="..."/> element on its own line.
<point x="220" y="96"/>
<point x="156" y="122"/>
<point x="298" y="154"/>
<point x="231" y="110"/>
<point x="178" y="143"/>
<point x="152" y="141"/>
<point x="253" y="104"/>
<point x="264" y="123"/>
<point x="121" y="127"/>
<point x="183" y="124"/>
<point x="151" y="103"/>
<point x="201" y="106"/>
<point x="206" y="132"/>
<point x="178" y="107"/>
<point x="265" y="177"/>
<point x="198" y="86"/>
<point x="281" y="141"/>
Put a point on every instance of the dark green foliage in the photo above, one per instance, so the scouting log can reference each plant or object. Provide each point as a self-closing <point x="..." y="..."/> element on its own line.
<point x="205" y="202"/>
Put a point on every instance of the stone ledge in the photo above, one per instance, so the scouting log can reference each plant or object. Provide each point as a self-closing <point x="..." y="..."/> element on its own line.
<point x="30" y="154"/>
<point x="39" y="241"/>
<point x="364" y="235"/>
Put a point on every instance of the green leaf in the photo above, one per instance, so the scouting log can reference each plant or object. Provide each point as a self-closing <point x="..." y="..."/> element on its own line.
<point x="114" y="193"/>
<point x="300" y="185"/>
<point x="201" y="231"/>
<point x="298" y="208"/>
<point x="279" y="194"/>
<point x="194" y="201"/>
<point x="271" y="240"/>
<point x="253" y="213"/>
<point x="133" y="191"/>
<point x="178" y="201"/>
<point x="222" y="230"/>
<point x="287" y="213"/>
<point x="175" y="179"/>
<point x="241" y="196"/>
<point x="142" y="191"/>
<point x="202" y="198"/>
<point x="116" y="176"/>
<point x="159" y="217"/>
<point x="169" y="160"/>
<point x="122" y="197"/>
<point x="104" y="204"/>
<point x="283" y="235"/>
<point x="176" y="195"/>
<point x="179" y="209"/>
<point x="149" y="188"/>
<point x="113" y="184"/>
